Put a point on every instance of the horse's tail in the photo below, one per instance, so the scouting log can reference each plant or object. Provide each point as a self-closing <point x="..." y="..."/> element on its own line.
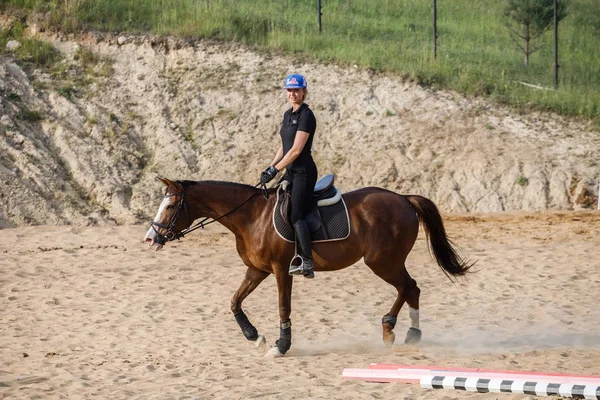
<point x="443" y="250"/>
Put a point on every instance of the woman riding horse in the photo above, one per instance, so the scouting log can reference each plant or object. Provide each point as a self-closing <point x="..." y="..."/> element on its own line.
<point x="384" y="227"/>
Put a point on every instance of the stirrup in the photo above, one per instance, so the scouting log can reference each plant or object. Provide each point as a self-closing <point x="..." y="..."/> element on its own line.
<point x="305" y="267"/>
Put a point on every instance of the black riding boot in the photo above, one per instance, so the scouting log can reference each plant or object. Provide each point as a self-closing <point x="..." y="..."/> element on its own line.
<point x="302" y="263"/>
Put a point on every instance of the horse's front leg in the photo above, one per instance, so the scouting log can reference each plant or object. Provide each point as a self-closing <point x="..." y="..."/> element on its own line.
<point x="284" y="289"/>
<point x="253" y="278"/>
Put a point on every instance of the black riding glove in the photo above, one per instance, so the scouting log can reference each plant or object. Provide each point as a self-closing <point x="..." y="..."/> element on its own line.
<point x="268" y="174"/>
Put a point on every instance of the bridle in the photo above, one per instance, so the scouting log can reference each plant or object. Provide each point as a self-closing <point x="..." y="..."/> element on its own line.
<point x="172" y="235"/>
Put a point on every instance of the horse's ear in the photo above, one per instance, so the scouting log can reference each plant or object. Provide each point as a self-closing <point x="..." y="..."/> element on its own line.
<point x="169" y="183"/>
<point x="165" y="181"/>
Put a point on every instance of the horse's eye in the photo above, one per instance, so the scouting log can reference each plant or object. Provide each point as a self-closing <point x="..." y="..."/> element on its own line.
<point x="170" y="206"/>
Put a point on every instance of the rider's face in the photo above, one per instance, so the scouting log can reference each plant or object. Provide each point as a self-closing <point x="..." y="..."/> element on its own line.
<point x="295" y="96"/>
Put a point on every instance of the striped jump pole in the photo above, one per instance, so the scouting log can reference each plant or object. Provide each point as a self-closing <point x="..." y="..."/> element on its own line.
<point x="482" y="380"/>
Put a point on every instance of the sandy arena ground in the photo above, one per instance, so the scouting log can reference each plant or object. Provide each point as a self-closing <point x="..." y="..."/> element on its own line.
<point x="91" y="313"/>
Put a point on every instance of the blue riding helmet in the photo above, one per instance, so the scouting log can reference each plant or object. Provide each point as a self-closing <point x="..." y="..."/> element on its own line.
<point x="295" y="81"/>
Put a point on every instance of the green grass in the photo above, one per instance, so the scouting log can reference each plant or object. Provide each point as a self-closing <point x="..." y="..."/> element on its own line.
<point x="32" y="51"/>
<point x="66" y="90"/>
<point x="13" y="96"/>
<point x="30" y="115"/>
<point x="522" y="181"/>
<point x="69" y="78"/>
<point x="475" y="53"/>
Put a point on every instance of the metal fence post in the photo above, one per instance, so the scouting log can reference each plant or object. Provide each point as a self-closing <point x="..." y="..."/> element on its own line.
<point x="555" y="44"/>
<point x="319" y="15"/>
<point x="434" y="28"/>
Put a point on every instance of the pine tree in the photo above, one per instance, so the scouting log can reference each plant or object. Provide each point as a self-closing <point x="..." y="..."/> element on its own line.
<point x="527" y="20"/>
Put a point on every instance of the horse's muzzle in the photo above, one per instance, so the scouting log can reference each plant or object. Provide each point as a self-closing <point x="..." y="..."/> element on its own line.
<point x="155" y="240"/>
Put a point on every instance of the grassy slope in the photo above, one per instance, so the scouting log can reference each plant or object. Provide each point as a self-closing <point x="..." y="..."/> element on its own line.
<point x="475" y="53"/>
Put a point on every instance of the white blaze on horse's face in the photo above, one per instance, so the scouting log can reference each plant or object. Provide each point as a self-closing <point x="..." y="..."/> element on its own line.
<point x="161" y="219"/>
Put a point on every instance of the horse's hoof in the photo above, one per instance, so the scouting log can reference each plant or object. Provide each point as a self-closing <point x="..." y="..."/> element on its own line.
<point x="389" y="338"/>
<point x="260" y="343"/>
<point x="273" y="353"/>
<point x="413" y="336"/>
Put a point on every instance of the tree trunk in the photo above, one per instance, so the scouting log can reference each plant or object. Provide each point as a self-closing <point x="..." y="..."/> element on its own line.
<point x="527" y="45"/>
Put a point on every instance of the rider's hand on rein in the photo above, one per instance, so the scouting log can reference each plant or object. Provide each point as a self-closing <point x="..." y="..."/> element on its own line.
<point x="268" y="174"/>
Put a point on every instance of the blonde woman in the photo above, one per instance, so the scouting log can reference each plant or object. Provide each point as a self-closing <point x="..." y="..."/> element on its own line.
<point x="297" y="132"/>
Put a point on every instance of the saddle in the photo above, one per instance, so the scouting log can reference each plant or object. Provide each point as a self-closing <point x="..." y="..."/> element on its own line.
<point x="325" y="194"/>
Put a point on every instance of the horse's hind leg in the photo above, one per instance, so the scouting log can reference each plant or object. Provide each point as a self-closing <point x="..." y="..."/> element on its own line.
<point x="408" y="291"/>
<point x="251" y="280"/>
<point x="413" y="335"/>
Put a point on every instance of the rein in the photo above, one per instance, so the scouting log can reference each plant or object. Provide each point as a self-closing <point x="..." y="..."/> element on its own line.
<point x="171" y="235"/>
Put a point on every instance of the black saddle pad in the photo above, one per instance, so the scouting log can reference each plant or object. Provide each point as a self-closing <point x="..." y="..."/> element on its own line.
<point x="336" y="222"/>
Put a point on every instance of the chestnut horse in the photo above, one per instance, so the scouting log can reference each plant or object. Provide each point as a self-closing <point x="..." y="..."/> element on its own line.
<point x="384" y="227"/>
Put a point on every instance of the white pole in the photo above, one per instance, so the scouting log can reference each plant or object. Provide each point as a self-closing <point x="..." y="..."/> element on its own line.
<point x="598" y="196"/>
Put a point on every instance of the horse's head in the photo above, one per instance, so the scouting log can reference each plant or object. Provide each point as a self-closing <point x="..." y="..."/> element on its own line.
<point x="167" y="224"/>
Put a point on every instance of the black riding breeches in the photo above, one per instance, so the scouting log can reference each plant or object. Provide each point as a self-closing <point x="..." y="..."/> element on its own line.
<point x="303" y="184"/>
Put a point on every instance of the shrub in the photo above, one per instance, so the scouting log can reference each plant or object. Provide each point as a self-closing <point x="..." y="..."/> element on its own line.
<point x="522" y="181"/>
<point x="30" y="115"/>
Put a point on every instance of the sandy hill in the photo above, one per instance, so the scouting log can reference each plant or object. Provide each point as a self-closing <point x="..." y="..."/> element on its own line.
<point x="205" y="110"/>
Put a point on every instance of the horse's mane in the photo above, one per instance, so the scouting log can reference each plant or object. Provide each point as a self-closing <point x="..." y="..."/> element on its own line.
<point x="186" y="183"/>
